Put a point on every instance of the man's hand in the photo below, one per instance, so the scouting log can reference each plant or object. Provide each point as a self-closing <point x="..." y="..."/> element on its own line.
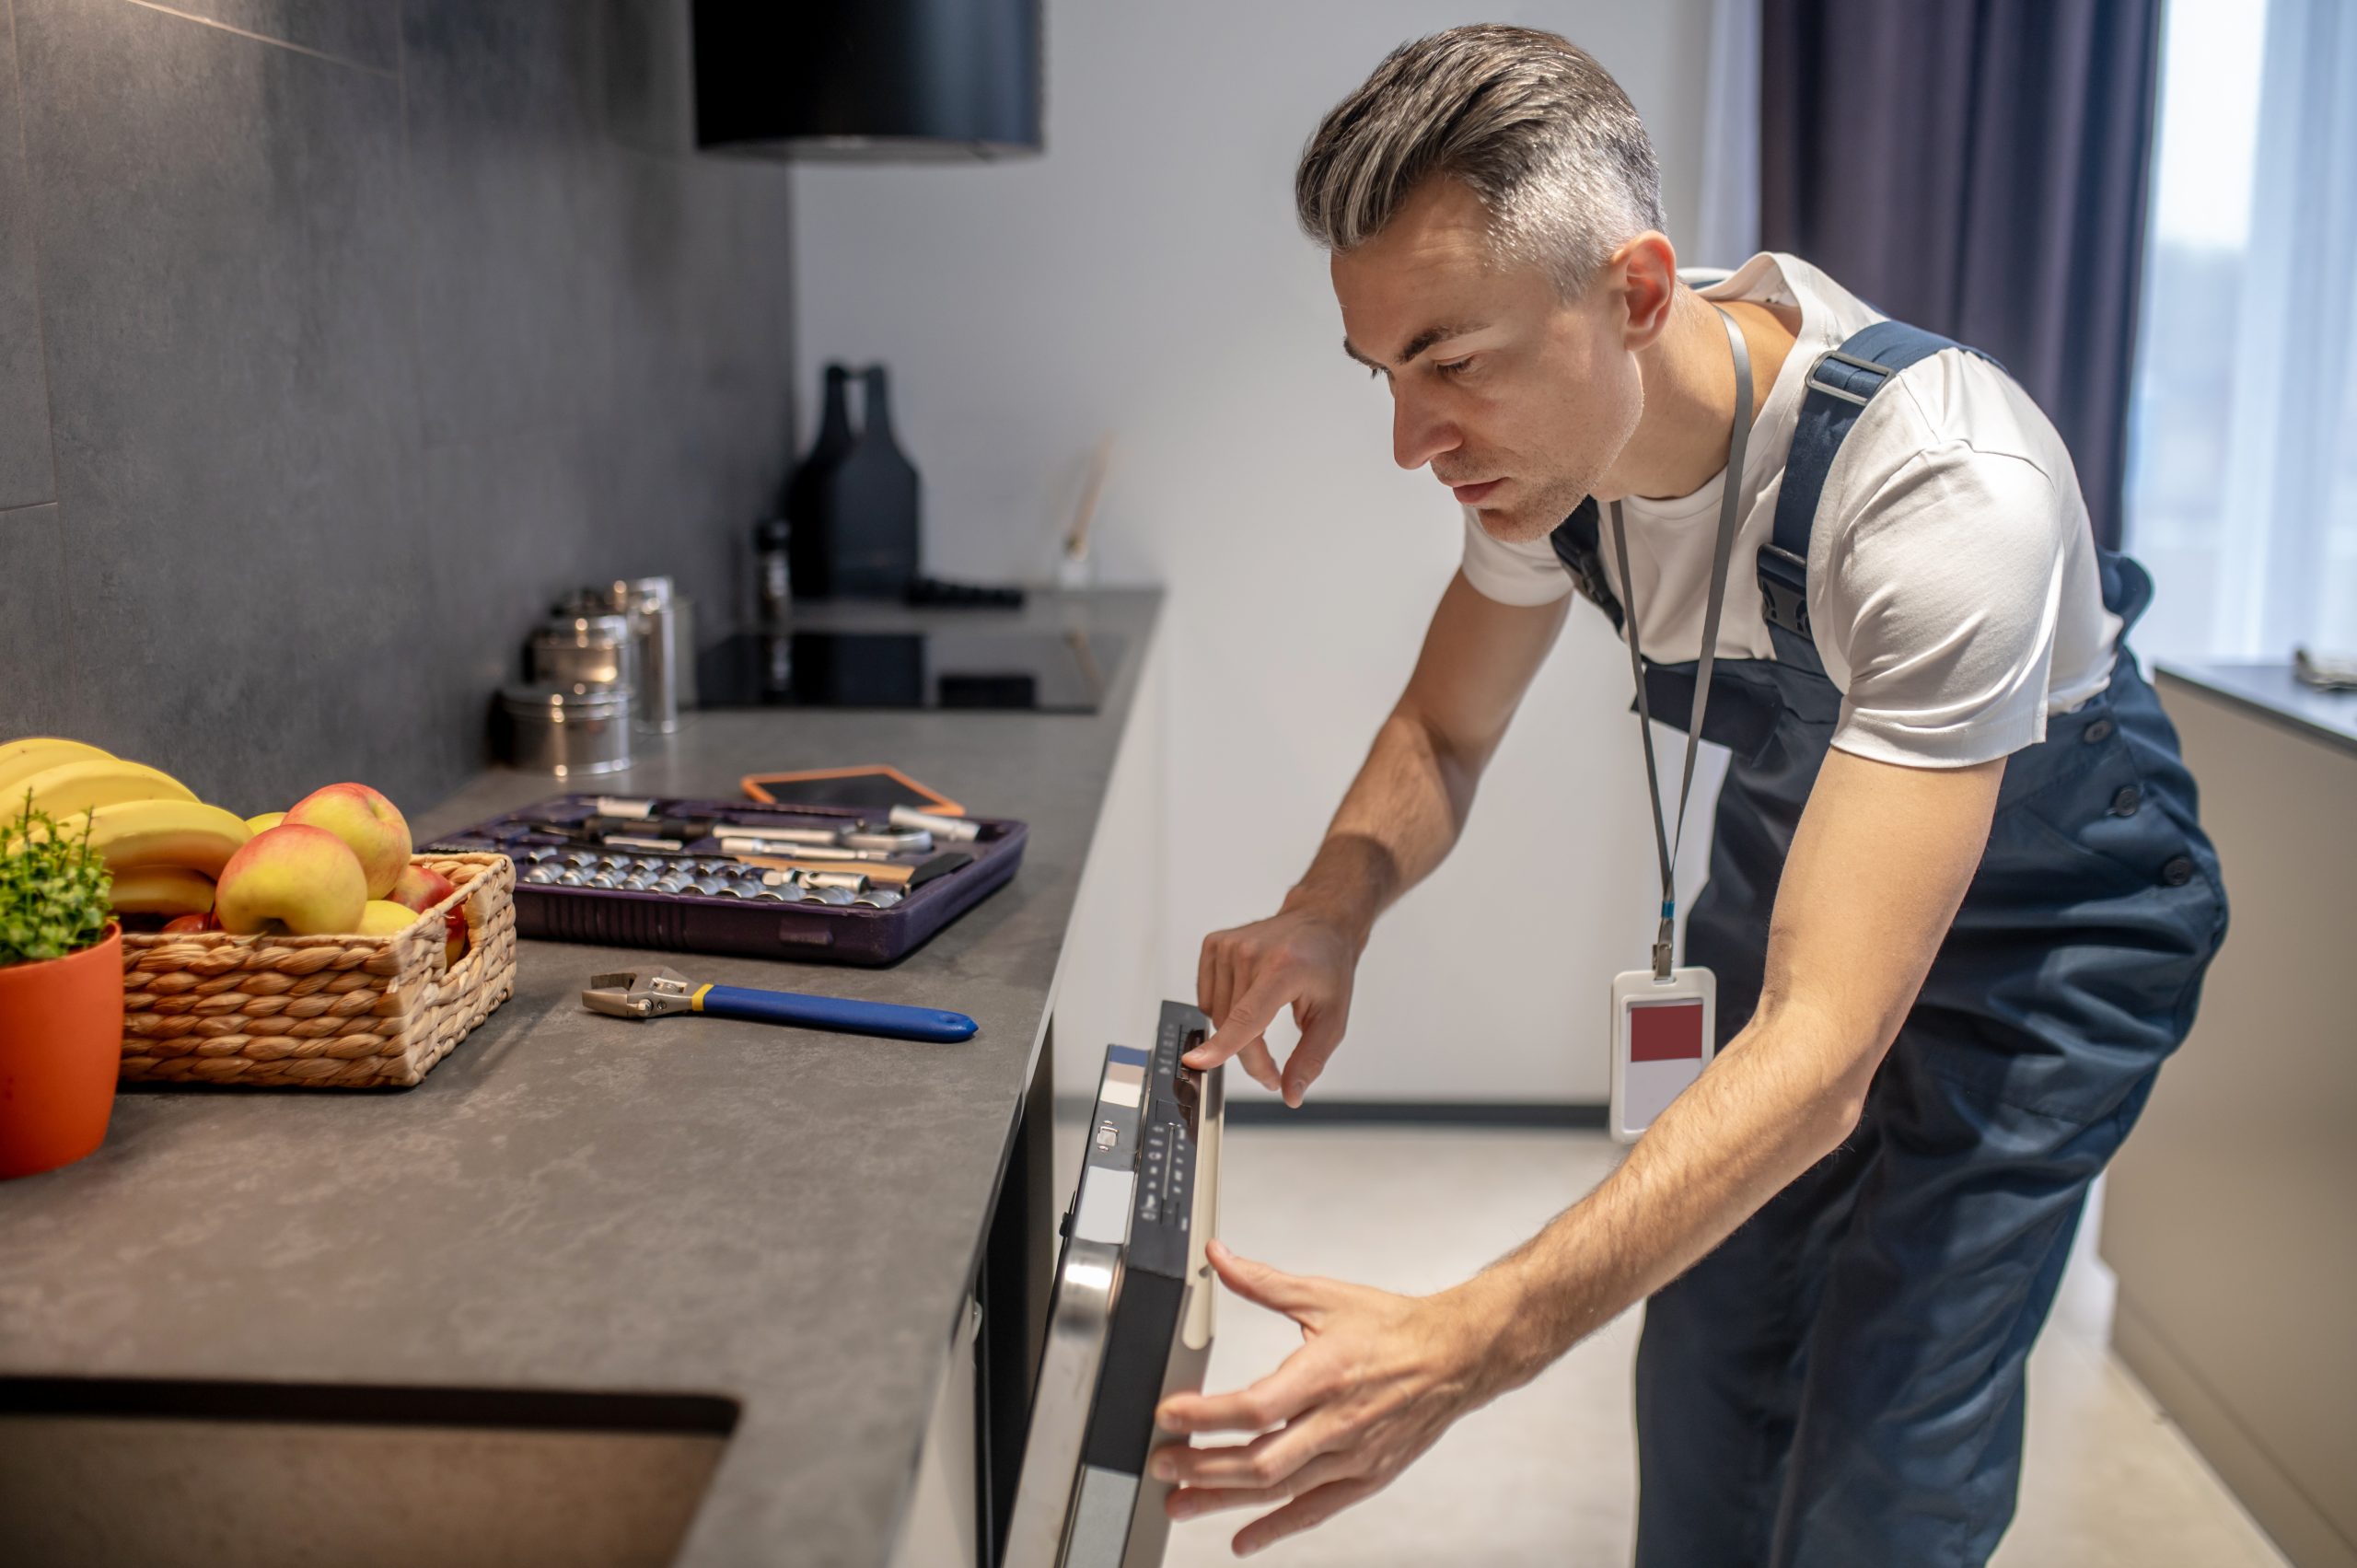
<point x="1247" y="976"/>
<point x="1403" y="813"/>
<point x="1377" y="1379"/>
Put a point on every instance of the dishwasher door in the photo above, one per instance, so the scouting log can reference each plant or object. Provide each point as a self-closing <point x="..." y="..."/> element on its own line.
<point x="1131" y="1316"/>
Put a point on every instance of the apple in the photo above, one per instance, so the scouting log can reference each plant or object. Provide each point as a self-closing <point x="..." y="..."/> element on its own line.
<point x="382" y="917"/>
<point x="293" y="878"/>
<point x="367" y="822"/>
<point x="421" y="888"/>
<point x="264" y="822"/>
<point x="181" y="923"/>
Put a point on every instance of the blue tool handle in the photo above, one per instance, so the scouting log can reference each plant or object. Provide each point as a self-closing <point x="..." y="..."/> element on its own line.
<point x="835" y="1013"/>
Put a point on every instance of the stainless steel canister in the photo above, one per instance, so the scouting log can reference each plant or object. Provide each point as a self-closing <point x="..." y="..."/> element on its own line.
<point x="566" y="732"/>
<point x="586" y="651"/>
<point x="655" y="620"/>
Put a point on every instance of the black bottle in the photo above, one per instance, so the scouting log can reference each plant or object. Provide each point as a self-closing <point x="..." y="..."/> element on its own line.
<point x="808" y="544"/>
<point x="868" y="505"/>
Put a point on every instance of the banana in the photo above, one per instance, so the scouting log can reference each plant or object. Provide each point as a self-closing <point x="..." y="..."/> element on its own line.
<point x="132" y="834"/>
<point x="20" y="760"/>
<point x="162" y="889"/>
<point x="68" y="790"/>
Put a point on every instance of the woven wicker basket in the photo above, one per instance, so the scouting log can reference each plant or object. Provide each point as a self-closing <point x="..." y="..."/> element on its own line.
<point x="322" y="1012"/>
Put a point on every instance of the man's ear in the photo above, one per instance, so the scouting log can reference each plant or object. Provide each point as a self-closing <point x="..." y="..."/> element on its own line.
<point x="1644" y="271"/>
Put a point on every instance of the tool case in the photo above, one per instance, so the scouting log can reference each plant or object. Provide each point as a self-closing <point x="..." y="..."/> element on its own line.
<point x="694" y="922"/>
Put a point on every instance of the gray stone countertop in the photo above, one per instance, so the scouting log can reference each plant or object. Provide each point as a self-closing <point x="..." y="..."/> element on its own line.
<point x="568" y="1202"/>
<point x="2269" y="689"/>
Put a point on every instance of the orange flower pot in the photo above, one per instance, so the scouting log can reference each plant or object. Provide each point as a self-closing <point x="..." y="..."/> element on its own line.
<point x="61" y="1046"/>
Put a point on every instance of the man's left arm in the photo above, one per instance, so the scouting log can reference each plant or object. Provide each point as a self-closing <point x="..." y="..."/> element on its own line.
<point x="1878" y="865"/>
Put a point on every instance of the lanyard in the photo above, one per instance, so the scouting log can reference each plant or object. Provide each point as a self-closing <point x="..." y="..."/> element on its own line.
<point x="1729" y="497"/>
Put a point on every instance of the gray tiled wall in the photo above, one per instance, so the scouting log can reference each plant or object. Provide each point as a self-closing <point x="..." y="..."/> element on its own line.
<point x="336" y="338"/>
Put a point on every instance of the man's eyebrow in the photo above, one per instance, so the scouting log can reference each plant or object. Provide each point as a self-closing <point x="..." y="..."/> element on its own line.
<point x="1418" y="343"/>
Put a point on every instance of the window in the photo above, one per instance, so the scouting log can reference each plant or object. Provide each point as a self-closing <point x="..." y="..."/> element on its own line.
<point x="2242" y="486"/>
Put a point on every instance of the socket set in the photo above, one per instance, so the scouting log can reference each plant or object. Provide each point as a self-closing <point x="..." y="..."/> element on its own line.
<point x="545" y="867"/>
<point x="823" y="884"/>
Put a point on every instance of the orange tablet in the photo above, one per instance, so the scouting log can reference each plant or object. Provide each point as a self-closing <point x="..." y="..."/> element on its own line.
<point x="871" y="788"/>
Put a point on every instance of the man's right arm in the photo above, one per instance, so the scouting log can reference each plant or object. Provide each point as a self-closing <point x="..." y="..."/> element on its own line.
<point x="1401" y="817"/>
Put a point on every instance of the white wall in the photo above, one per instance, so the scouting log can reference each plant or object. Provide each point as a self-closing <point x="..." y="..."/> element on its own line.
<point x="1146" y="277"/>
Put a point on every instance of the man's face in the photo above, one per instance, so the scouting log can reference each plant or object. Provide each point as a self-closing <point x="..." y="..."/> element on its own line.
<point x="1518" y="399"/>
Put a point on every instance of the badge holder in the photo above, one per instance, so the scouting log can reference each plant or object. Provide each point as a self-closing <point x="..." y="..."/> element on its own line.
<point x="1664" y="1034"/>
<point x="1664" y="1020"/>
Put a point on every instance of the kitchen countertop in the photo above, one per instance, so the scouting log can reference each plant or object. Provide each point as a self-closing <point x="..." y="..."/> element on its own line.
<point x="2270" y="690"/>
<point x="570" y="1202"/>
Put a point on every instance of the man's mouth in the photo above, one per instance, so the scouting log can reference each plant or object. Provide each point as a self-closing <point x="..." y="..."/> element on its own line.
<point x="1470" y="494"/>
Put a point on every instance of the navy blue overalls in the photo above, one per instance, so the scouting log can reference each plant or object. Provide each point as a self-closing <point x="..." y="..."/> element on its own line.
<point x="1840" y="1385"/>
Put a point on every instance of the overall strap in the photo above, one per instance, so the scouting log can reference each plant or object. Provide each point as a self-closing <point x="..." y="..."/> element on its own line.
<point x="1840" y="384"/>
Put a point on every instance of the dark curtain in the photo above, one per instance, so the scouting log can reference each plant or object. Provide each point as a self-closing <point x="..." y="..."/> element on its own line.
<point x="1977" y="168"/>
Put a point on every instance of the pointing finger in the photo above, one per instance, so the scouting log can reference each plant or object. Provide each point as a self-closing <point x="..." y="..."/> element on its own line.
<point x="1247" y="1021"/>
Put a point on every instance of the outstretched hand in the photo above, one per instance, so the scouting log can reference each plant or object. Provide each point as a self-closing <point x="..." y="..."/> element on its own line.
<point x="1377" y="1379"/>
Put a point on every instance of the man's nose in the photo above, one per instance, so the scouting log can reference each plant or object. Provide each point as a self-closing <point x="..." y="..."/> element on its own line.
<point x="1419" y="433"/>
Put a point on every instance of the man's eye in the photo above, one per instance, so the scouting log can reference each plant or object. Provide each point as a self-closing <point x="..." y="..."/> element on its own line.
<point x="1455" y="366"/>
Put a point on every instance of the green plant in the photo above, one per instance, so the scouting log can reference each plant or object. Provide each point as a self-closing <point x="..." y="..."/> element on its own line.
<point x="55" y="896"/>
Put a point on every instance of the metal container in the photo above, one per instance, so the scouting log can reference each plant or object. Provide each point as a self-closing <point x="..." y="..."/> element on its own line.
<point x="655" y="620"/>
<point x="586" y="651"/>
<point x="650" y="606"/>
<point x="568" y="733"/>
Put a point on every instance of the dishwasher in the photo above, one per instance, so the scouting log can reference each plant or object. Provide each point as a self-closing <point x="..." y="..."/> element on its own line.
<point x="1130" y="1317"/>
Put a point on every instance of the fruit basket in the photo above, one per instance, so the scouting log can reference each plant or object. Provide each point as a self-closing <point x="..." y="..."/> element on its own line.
<point x="321" y="1012"/>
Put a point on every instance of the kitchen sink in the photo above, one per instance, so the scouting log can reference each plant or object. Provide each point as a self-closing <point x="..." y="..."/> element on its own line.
<point x="97" y="1472"/>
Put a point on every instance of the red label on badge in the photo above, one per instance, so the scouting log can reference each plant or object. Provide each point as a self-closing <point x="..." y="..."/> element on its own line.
<point x="1665" y="1031"/>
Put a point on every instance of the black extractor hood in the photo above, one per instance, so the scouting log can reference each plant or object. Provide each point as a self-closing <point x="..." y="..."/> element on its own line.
<point x="878" y="80"/>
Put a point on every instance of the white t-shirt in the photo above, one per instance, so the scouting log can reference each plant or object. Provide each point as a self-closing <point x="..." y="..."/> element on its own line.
<point x="1952" y="589"/>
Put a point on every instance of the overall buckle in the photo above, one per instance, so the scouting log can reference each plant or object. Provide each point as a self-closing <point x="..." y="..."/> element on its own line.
<point x="1783" y="590"/>
<point x="1818" y="383"/>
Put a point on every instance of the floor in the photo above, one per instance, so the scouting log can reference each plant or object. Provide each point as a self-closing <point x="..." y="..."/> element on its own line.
<point x="1547" y="1475"/>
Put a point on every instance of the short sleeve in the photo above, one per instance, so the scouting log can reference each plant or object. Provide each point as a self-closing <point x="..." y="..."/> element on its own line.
<point x="1512" y="574"/>
<point x="1941" y="601"/>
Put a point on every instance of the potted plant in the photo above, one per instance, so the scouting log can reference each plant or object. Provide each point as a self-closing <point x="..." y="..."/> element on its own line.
<point x="61" y="994"/>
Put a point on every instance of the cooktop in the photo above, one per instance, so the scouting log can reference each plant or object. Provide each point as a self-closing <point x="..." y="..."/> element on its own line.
<point x="1034" y="671"/>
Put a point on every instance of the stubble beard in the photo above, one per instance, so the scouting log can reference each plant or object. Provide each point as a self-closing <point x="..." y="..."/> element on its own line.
<point x="1537" y="513"/>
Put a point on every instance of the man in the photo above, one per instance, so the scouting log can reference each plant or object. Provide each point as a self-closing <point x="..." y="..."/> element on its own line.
<point x="1959" y="904"/>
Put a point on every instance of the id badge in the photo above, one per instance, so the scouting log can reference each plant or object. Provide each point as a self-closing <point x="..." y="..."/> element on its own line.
<point x="1664" y="1032"/>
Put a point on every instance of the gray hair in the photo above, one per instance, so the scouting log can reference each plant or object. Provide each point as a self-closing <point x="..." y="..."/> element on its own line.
<point x="1529" y="121"/>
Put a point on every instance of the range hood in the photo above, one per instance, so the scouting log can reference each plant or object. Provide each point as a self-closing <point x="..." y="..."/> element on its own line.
<point x="868" y="79"/>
